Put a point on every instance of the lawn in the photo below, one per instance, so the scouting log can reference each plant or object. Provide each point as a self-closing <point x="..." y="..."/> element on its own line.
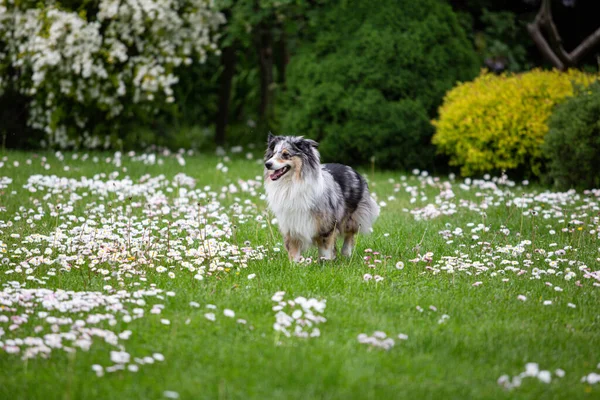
<point x="151" y="276"/>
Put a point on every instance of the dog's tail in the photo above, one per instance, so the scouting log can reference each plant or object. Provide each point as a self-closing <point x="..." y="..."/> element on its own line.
<point x="366" y="213"/>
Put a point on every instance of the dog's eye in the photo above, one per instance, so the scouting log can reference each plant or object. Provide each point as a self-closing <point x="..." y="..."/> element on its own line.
<point x="285" y="155"/>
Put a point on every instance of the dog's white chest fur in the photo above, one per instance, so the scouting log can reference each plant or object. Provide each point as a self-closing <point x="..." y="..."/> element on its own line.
<point x="292" y="204"/>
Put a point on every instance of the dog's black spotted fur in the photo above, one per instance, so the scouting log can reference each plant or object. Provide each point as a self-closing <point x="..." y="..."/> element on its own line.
<point x="351" y="184"/>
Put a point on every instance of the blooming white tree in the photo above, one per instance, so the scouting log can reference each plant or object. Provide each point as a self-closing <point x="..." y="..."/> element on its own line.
<point x="111" y="59"/>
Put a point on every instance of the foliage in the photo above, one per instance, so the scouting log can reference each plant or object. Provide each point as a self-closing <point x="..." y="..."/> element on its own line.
<point x="285" y="17"/>
<point x="500" y="33"/>
<point x="572" y="144"/>
<point x="263" y="34"/>
<point x="87" y="67"/>
<point x="502" y="41"/>
<point x="373" y="77"/>
<point x="195" y="94"/>
<point x="499" y="122"/>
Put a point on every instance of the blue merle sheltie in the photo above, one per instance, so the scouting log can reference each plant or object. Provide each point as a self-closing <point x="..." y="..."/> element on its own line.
<point x="315" y="202"/>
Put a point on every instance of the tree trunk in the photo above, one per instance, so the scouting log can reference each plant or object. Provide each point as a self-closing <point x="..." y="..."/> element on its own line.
<point x="228" y="60"/>
<point x="283" y="58"/>
<point x="265" y="60"/>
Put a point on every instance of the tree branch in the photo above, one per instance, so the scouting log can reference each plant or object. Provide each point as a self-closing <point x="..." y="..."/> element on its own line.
<point x="588" y="44"/>
<point x="543" y="46"/>
<point x="547" y="22"/>
<point x="554" y="51"/>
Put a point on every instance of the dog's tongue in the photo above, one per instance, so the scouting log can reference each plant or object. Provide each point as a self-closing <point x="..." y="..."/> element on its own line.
<point x="277" y="174"/>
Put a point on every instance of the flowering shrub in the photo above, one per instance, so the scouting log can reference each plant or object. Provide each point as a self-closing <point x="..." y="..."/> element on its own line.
<point x="499" y="122"/>
<point x="106" y="60"/>
<point x="572" y="145"/>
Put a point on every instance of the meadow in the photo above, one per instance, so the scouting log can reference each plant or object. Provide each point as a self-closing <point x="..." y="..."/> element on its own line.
<point x="162" y="275"/>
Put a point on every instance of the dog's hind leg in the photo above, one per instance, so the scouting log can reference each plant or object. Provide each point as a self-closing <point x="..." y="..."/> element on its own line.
<point x="350" y="230"/>
<point x="348" y="244"/>
<point x="327" y="246"/>
<point x="294" y="248"/>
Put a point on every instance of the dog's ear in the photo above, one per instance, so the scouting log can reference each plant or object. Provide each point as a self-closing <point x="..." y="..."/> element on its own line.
<point x="272" y="139"/>
<point x="306" y="144"/>
<point x="312" y="143"/>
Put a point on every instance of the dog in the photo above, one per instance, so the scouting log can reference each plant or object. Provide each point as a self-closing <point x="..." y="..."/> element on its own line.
<point x="315" y="202"/>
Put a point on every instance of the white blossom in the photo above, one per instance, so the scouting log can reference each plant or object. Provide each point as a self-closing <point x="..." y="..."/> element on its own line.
<point x="122" y="56"/>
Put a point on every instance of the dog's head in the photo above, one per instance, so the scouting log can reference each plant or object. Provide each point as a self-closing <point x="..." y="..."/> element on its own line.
<point x="290" y="156"/>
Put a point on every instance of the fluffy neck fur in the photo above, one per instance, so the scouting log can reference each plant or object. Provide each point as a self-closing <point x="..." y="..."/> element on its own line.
<point x="292" y="201"/>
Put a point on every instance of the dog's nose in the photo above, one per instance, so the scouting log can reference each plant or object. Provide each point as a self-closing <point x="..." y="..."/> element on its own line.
<point x="268" y="164"/>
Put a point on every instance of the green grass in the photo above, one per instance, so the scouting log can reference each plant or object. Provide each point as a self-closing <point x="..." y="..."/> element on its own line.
<point x="489" y="333"/>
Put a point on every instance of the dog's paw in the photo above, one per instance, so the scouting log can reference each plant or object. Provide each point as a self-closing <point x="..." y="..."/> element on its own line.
<point x="347" y="251"/>
<point x="297" y="260"/>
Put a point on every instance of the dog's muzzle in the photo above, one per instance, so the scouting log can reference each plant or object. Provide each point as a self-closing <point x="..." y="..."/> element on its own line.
<point x="279" y="173"/>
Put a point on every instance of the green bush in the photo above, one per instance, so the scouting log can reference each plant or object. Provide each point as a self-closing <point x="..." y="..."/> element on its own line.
<point x="373" y="77"/>
<point x="503" y="41"/>
<point x="498" y="122"/>
<point x="572" y="145"/>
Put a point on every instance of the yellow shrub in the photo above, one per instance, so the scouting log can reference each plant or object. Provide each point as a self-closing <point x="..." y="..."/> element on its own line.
<point x="499" y="122"/>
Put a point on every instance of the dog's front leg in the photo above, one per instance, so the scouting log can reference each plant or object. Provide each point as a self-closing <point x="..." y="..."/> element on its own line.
<point x="327" y="246"/>
<point x="293" y="247"/>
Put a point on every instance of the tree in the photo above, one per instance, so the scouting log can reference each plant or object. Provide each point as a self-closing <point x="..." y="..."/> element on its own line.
<point x="228" y="61"/>
<point x="551" y="45"/>
<point x="262" y="31"/>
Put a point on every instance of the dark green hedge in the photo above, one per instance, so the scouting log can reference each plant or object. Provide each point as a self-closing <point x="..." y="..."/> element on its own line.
<point x="373" y="78"/>
<point x="572" y="145"/>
